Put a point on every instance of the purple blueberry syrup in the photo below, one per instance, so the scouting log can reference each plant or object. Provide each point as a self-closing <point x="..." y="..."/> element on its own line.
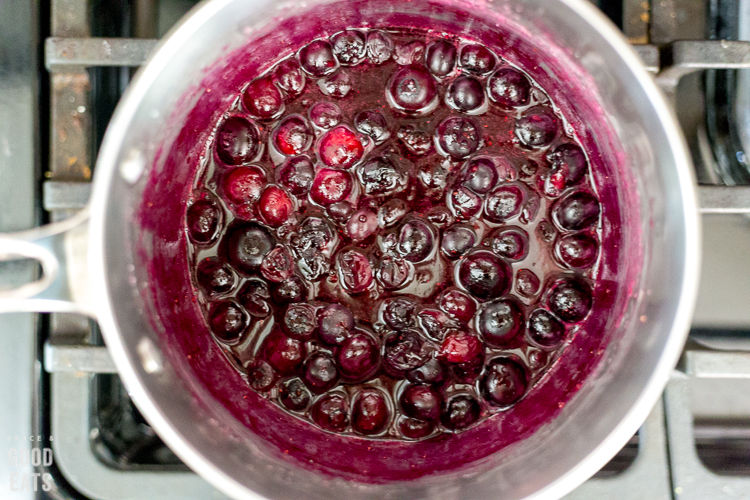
<point x="396" y="234"/>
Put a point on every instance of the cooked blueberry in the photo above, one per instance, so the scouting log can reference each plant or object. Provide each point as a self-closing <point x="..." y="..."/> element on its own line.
<point x="481" y="175"/>
<point x="412" y="89"/>
<point x="412" y="428"/>
<point x="577" y="251"/>
<point x="500" y="322"/>
<point x="372" y="124"/>
<point x="441" y="57"/>
<point x="484" y="275"/>
<point x="402" y="352"/>
<point x="260" y="375"/>
<point x="246" y="245"/>
<point x="399" y="313"/>
<point x="294" y="395"/>
<point x="422" y="402"/>
<point x="537" y="358"/>
<point x="325" y="115"/>
<point x="570" y="299"/>
<point x="527" y="283"/>
<point x="227" y="320"/>
<point x="320" y="372"/>
<point x="511" y="243"/>
<point x="358" y="356"/>
<point x="577" y="211"/>
<point x="362" y="224"/>
<point x="415" y="240"/>
<point x="289" y="77"/>
<point x="458" y="137"/>
<point x="275" y="206"/>
<point x="296" y="174"/>
<point x="314" y="265"/>
<point x="505" y="381"/>
<point x="394" y="273"/>
<point x="457" y="240"/>
<point x="433" y="323"/>
<point x="465" y="202"/>
<point x="335" y="324"/>
<point x="545" y="329"/>
<point x="409" y="53"/>
<point x="293" y="289"/>
<point x="340" y="212"/>
<point x="244" y="184"/>
<point x="460" y="347"/>
<point x="237" y="141"/>
<point x="504" y="202"/>
<point x="349" y="47"/>
<point x="331" y="186"/>
<point x="509" y="88"/>
<point x="337" y="85"/>
<point x="569" y="162"/>
<point x="477" y="59"/>
<point x="531" y="208"/>
<point x="370" y="412"/>
<point x="354" y="271"/>
<point x="538" y="127"/>
<point x="214" y="276"/>
<point x="340" y="147"/>
<point x="203" y="219"/>
<point x="415" y="139"/>
<point x="262" y="99"/>
<point x="380" y="177"/>
<point x="284" y="353"/>
<point x="432" y="372"/>
<point x="254" y="297"/>
<point x="545" y="231"/>
<point x="440" y="216"/>
<point x="457" y="304"/>
<point x="433" y="176"/>
<point x="317" y="58"/>
<point x="314" y="234"/>
<point x="391" y="212"/>
<point x="331" y="412"/>
<point x="293" y="136"/>
<point x="465" y="94"/>
<point x="299" y="321"/>
<point x="379" y="47"/>
<point x="460" y="412"/>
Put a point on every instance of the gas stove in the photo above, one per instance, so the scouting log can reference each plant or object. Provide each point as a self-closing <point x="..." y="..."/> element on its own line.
<point x="69" y="427"/>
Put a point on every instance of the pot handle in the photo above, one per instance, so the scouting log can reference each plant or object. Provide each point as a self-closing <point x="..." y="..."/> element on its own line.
<point x="61" y="249"/>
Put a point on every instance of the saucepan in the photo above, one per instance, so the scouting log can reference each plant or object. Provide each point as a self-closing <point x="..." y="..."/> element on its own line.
<point x="124" y="260"/>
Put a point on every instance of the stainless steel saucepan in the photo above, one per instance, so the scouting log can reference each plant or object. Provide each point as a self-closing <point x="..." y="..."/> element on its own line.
<point x="109" y="262"/>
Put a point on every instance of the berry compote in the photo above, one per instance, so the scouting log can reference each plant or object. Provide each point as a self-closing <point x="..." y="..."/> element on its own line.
<point x="395" y="234"/>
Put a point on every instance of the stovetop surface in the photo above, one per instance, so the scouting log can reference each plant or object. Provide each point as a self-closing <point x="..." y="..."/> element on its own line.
<point x="695" y="445"/>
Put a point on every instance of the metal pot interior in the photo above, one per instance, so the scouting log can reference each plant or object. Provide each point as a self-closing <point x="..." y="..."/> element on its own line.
<point x="595" y="393"/>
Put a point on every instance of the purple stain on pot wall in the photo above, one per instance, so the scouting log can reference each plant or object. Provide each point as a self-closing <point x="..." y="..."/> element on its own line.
<point x="174" y="297"/>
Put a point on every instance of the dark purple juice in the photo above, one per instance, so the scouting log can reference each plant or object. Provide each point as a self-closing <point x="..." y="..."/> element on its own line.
<point x="394" y="234"/>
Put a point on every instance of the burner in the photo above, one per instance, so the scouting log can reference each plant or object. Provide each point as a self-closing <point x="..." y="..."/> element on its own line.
<point x="123" y="439"/>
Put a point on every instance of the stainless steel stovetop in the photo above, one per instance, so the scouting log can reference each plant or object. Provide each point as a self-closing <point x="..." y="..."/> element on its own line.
<point x="63" y="66"/>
